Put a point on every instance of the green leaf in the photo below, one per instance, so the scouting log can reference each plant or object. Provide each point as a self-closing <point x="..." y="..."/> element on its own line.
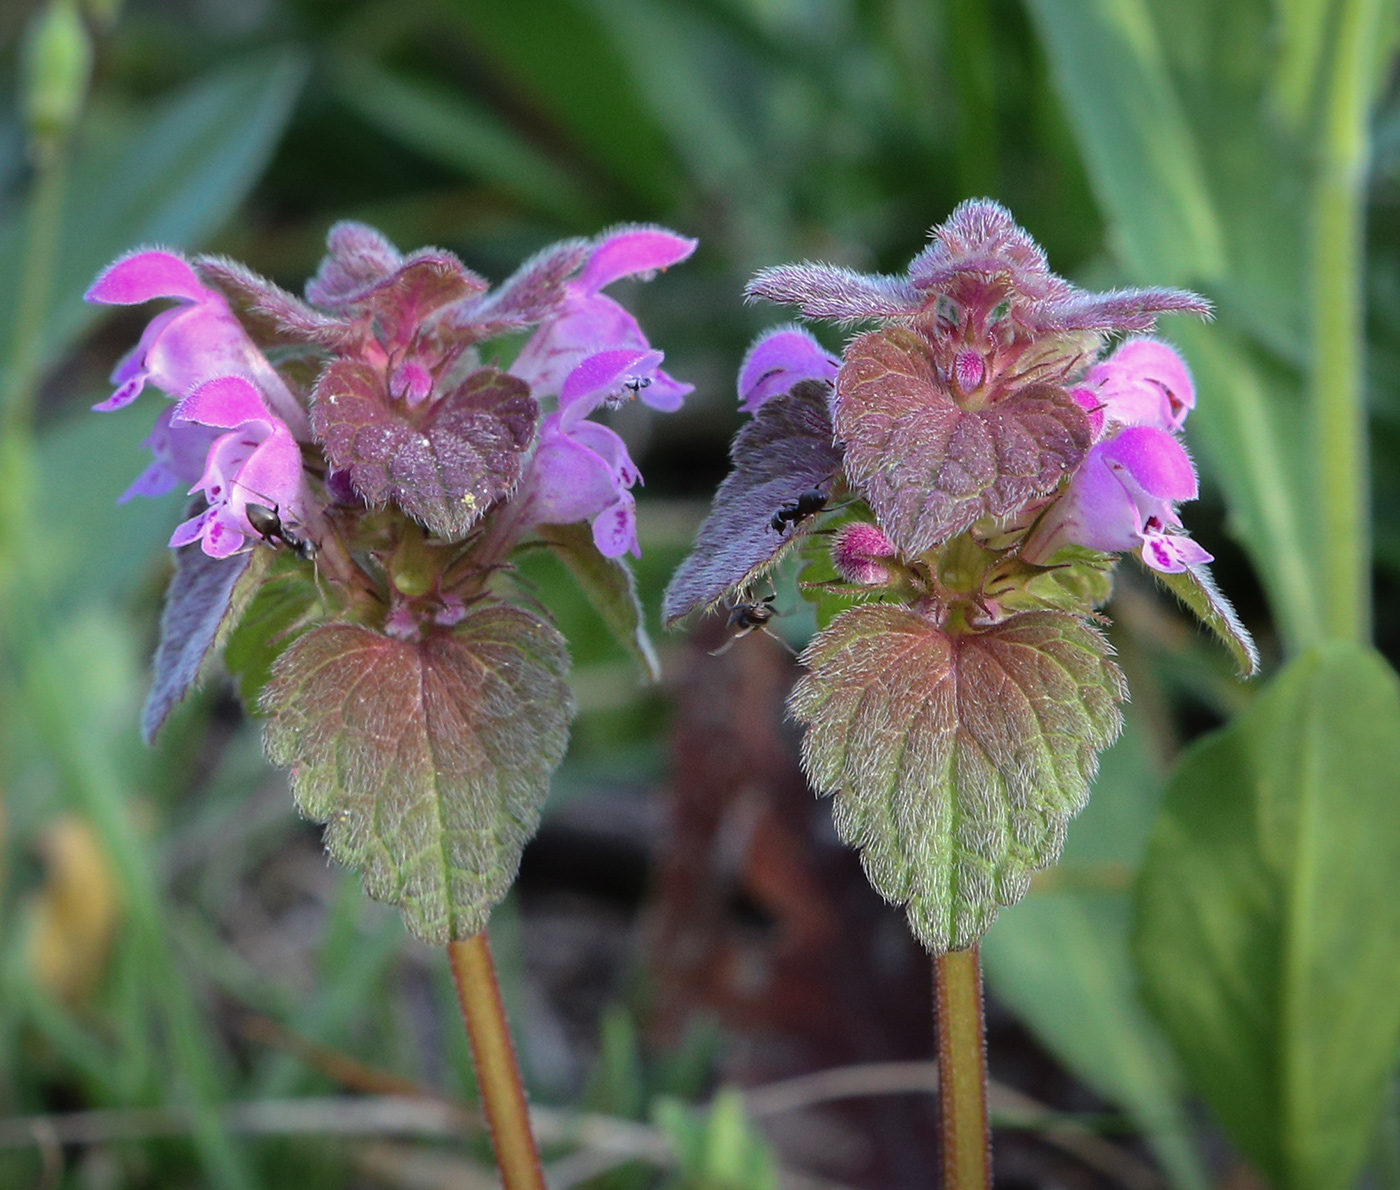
<point x="428" y="759"/>
<point x="1267" y="939"/>
<point x="1142" y="158"/>
<point x="1197" y="590"/>
<point x="956" y="761"/>
<point x="284" y="607"/>
<point x="930" y="468"/>
<point x="1060" y="959"/>
<point x="610" y="587"/>
<point x="446" y="126"/>
<point x="173" y="179"/>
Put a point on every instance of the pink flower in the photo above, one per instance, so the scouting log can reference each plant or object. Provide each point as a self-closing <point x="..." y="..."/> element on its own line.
<point x="198" y="340"/>
<point x="1124" y="497"/>
<point x="779" y="359"/>
<point x="581" y="470"/>
<point x="178" y="454"/>
<point x="256" y="462"/>
<point x="1144" y="383"/>
<point x="586" y="323"/>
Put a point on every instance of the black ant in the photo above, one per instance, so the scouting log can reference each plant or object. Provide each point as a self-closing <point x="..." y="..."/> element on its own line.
<point x="635" y="384"/>
<point x="796" y="511"/>
<point x="267" y="522"/>
<point x="750" y="616"/>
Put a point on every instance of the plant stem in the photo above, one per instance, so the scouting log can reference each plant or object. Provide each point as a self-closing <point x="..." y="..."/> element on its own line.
<point x="1338" y="379"/>
<point x="962" y="1071"/>
<point x="497" y="1074"/>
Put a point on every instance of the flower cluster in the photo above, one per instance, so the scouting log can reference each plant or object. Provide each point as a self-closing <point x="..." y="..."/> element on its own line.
<point x="398" y="338"/>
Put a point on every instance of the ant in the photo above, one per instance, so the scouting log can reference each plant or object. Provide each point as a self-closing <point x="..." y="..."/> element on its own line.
<point x="793" y="513"/>
<point x="268" y="524"/>
<point x="750" y="616"/>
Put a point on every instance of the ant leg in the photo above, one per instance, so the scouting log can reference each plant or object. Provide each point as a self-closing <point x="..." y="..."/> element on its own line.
<point x="770" y="633"/>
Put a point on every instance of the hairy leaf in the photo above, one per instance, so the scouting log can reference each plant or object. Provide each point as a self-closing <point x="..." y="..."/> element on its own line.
<point x="443" y="464"/>
<point x="287" y="603"/>
<point x="1268" y="938"/>
<point x="611" y="589"/>
<point x="785" y="450"/>
<point x="429" y="760"/>
<point x="929" y="467"/>
<point x="1196" y="588"/>
<point x="205" y="599"/>
<point x="956" y="761"/>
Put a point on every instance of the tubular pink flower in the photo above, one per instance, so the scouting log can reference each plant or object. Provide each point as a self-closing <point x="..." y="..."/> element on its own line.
<point x="178" y="458"/>
<point x="181" y="348"/>
<point x="586" y="323"/>
<point x="1124" y="497"/>
<point x="1144" y="383"/>
<point x="779" y="359"/>
<point x="582" y="472"/>
<point x="256" y="462"/>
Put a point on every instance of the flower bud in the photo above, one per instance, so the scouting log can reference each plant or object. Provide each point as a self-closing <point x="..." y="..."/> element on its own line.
<point x="969" y="370"/>
<point x="57" y="64"/>
<point x="856" y="553"/>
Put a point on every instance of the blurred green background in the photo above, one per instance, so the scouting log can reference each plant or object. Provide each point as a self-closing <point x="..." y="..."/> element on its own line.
<point x="171" y="938"/>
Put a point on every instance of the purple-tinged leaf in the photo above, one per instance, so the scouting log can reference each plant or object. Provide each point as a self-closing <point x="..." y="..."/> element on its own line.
<point x="428" y="760"/>
<point x="1117" y="310"/>
<point x="1196" y="588"/>
<point x="830" y="292"/>
<point x="528" y="296"/>
<point x="445" y="463"/>
<point x="610" y="587"/>
<point x="956" y="762"/>
<point x="206" y="598"/>
<point x="273" y="315"/>
<point x="357" y="258"/>
<point x="929" y="467"/>
<point x="787" y="449"/>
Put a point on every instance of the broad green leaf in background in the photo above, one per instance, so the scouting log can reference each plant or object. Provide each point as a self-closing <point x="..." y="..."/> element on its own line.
<point x="448" y="127"/>
<point x="1060" y="960"/>
<point x="173" y="179"/>
<point x="1201" y="190"/>
<point x="576" y="78"/>
<point x="1268" y="938"/>
<point x="1141" y="155"/>
<point x="433" y="786"/>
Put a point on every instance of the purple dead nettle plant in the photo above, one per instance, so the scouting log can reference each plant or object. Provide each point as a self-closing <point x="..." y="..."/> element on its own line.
<point x="364" y="464"/>
<point x="983" y="456"/>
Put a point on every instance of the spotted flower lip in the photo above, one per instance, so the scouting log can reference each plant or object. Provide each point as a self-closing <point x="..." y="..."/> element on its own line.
<point x="778" y="359"/>
<point x="196" y="341"/>
<point x="256" y="462"/>
<point x="587" y="322"/>
<point x="1124" y="497"/>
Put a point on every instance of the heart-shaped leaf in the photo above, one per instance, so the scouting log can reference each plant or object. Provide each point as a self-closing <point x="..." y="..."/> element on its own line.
<point x="787" y="449"/>
<point x="443" y="463"/>
<point x="206" y="598"/>
<point x="930" y="467"/>
<point x="429" y="760"/>
<point x="956" y="761"/>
